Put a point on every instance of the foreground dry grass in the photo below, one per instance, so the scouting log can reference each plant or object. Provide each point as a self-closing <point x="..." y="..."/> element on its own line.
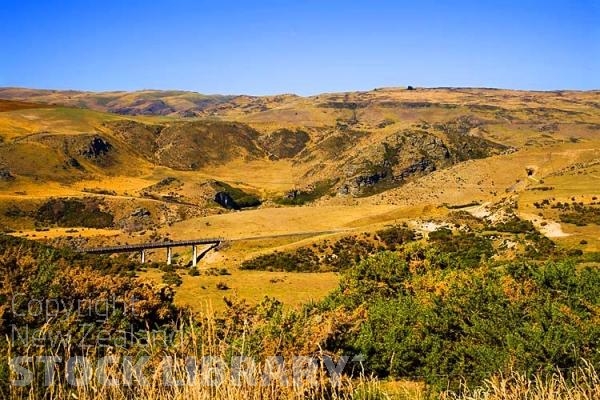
<point x="582" y="383"/>
<point x="168" y="373"/>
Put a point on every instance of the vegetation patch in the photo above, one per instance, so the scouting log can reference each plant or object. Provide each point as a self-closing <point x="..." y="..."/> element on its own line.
<point x="285" y="143"/>
<point x="464" y="326"/>
<point x="515" y="225"/>
<point x="241" y="199"/>
<point x="299" y="197"/>
<point x="337" y="256"/>
<point x="581" y="215"/>
<point x="72" y="213"/>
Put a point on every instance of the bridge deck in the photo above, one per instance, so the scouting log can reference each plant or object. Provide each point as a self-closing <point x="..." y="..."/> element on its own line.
<point x="151" y="245"/>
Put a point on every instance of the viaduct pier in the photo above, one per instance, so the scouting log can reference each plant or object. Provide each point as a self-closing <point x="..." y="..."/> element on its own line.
<point x="142" y="247"/>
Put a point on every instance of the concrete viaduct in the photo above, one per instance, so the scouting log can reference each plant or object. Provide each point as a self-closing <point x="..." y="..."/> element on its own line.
<point x="142" y="247"/>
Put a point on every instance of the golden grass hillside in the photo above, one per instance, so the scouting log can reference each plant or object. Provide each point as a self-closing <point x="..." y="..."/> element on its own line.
<point x="323" y="165"/>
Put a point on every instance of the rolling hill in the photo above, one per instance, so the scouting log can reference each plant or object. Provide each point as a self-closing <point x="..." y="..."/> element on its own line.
<point x="332" y="164"/>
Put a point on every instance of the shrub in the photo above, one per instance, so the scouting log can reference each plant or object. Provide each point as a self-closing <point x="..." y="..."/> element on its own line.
<point x="515" y="225"/>
<point x="395" y="235"/>
<point x="72" y="213"/>
<point x="452" y="326"/>
<point x="172" y="278"/>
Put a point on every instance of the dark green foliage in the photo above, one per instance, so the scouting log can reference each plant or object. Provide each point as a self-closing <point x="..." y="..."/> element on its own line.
<point x="395" y="235"/>
<point x="72" y="213"/>
<point x="299" y="197"/>
<point x="539" y="246"/>
<point x="217" y="271"/>
<point x="302" y="260"/>
<point x="241" y="198"/>
<point x="449" y="326"/>
<point x="194" y="271"/>
<point x="440" y="234"/>
<point x="515" y="225"/>
<point x="15" y="212"/>
<point x="581" y="215"/>
<point x="338" y="256"/>
<point x="463" y="250"/>
<point x="120" y="265"/>
<point x="172" y="278"/>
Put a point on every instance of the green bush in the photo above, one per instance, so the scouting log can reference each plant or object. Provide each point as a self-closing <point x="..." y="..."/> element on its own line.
<point x="395" y="235"/>
<point x="72" y="213"/>
<point x="450" y="325"/>
<point x="515" y="225"/>
<point x="300" y="197"/>
<point x="172" y="278"/>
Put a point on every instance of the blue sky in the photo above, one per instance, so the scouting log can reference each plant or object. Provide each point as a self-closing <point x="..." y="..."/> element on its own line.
<point x="304" y="47"/>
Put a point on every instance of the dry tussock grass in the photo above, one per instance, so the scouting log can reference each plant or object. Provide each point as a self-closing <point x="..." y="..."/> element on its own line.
<point x="582" y="383"/>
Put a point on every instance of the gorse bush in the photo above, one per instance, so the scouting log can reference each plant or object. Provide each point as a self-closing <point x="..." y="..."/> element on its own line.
<point x="90" y="311"/>
<point x="454" y="325"/>
<point x="515" y="225"/>
<point x="437" y="312"/>
<point x="73" y="212"/>
<point x="463" y="250"/>
<point x="337" y="256"/>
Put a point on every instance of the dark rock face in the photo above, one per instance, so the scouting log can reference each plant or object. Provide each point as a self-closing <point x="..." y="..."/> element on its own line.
<point x="72" y="162"/>
<point x="292" y="194"/>
<point x="5" y="175"/>
<point x="140" y="212"/>
<point x="225" y="200"/>
<point x="97" y="148"/>
<point x="423" y="166"/>
<point x="370" y="179"/>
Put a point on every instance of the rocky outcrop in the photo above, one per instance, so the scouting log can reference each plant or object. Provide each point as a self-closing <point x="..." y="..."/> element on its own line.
<point x="145" y="107"/>
<point x="370" y="180"/>
<point x="5" y="175"/>
<point x="284" y="143"/>
<point x="226" y="201"/>
<point x="398" y="158"/>
<point x="72" y="162"/>
<point x="412" y="153"/>
<point x="424" y="165"/>
<point x="140" y="213"/>
<point x="98" y="147"/>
